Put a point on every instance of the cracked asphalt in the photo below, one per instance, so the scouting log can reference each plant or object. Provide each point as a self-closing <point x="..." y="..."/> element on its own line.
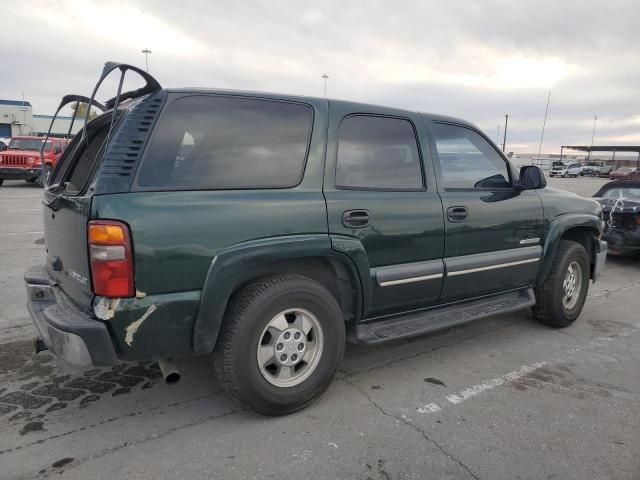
<point x="503" y="398"/>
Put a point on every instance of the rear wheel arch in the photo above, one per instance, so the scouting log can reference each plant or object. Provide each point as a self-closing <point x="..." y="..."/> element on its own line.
<point x="333" y="272"/>
<point x="239" y="265"/>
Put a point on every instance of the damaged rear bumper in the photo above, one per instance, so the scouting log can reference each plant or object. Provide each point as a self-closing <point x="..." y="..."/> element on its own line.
<point x="67" y="331"/>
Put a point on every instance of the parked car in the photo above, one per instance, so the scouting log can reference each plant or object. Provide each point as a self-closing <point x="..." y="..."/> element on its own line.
<point x="21" y="160"/>
<point x="590" y="170"/>
<point x="620" y="202"/>
<point x="566" y="170"/>
<point x="624" y="173"/>
<point x="267" y="229"/>
<point x="605" y="170"/>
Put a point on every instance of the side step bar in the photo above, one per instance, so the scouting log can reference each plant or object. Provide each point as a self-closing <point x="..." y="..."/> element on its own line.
<point x="420" y="323"/>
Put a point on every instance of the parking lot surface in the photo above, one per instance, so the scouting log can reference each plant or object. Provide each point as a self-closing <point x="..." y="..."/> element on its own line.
<point x="502" y="398"/>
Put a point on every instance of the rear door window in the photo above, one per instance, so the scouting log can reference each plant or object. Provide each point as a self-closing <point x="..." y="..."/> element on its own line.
<point x="378" y="153"/>
<point x="216" y="142"/>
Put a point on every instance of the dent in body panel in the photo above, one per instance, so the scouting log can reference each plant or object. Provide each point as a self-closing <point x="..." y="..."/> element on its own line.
<point x="156" y="326"/>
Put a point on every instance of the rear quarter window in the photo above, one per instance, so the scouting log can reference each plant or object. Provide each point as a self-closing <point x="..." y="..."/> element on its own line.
<point x="216" y="142"/>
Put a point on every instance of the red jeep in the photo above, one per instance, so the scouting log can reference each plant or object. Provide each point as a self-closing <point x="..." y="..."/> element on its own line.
<point x="21" y="160"/>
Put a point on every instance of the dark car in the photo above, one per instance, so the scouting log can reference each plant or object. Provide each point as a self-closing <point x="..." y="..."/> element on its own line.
<point x="620" y="202"/>
<point x="268" y="229"/>
<point x="624" y="173"/>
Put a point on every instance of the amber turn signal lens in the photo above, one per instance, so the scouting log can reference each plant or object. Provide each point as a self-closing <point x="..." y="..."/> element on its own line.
<point x="111" y="259"/>
<point x="106" y="234"/>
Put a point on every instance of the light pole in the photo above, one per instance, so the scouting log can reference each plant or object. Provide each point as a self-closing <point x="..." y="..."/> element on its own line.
<point x="593" y="134"/>
<point x="146" y="52"/>
<point x="504" y="139"/>
<point x="544" y="123"/>
<point x="325" y="77"/>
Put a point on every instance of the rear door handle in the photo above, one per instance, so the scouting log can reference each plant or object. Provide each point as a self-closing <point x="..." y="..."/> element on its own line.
<point x="356" y="218"/>
<point x="457" y="214"/>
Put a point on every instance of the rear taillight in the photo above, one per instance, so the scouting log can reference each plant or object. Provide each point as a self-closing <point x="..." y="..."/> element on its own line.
<point x="111" y="259"/>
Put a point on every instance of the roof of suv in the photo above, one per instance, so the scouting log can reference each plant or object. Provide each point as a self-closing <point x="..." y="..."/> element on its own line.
<point x="307" y="98"/>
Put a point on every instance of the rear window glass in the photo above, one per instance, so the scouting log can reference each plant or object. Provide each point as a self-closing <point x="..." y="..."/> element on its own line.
<point x="206" y="142"/>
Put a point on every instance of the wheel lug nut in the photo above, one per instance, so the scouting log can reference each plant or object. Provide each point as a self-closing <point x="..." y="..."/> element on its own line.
<point x="280" y="347"/>
<point x="297" y="336"/>
<point x="287" y="335"/>
<point x="283" y="358"/>
<point x="300" y="346"/>
<point x="294" y="357"/>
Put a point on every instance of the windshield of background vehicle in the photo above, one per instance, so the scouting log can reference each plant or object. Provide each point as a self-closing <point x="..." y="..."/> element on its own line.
<point x="626" y="192"/>
<point x="28" y="144"/>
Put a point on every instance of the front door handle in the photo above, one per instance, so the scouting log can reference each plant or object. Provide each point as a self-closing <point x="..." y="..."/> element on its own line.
<point x="356" y="218"/>
<point x="457" y="214"/>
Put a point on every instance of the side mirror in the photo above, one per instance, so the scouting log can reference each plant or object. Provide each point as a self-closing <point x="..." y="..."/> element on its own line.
<point x="532" y="177"/>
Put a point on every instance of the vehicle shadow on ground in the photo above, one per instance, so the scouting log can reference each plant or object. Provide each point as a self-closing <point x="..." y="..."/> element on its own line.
<point x="20" y="185"/>
<point x="36" y="387"/>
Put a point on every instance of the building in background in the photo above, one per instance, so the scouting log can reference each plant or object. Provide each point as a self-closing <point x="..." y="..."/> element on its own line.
<point x="17" y="118"/>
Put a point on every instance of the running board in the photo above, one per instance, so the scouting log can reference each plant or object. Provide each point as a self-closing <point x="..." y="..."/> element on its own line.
<point x="419" y="323"/>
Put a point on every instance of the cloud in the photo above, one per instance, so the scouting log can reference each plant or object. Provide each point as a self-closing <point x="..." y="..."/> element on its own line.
<point x="476" y="60"/>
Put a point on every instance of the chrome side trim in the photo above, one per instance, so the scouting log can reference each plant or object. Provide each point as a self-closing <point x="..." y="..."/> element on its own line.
<point x="410" y="280"/>
<point x="492" y="267"/>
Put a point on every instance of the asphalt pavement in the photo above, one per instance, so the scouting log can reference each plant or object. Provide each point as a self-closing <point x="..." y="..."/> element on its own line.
<point x="501" y="398"/>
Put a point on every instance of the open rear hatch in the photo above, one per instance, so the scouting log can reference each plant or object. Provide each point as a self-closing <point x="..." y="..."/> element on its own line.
<point x="68" y="191"/>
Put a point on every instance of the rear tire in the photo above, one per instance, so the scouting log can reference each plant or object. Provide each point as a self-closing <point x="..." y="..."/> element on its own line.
<point x="1" y="181"/>
<point x="256" y="350"/>
<point x="561" y="296"/>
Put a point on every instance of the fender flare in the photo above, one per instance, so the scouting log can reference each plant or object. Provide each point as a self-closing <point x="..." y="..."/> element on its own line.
<point x="557" y="229"/>
<point x="228" y="269"/>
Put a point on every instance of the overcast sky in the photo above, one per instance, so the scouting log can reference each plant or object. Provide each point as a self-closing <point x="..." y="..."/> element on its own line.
<point x="473" y="59"/>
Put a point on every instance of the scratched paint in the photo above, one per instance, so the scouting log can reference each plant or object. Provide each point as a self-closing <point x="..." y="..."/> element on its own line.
<point x="134" y="326"/>
<point x="106" y="307"/>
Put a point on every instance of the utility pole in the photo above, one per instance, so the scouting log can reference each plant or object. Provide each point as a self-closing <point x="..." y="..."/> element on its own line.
<point x="24" y="115"/>
<point x="544" y="122"/>
<point x="593" y="134"/>
<point x="325" y="77"/>
<point x="504" y="139"/>
<point x="146" y="52"/>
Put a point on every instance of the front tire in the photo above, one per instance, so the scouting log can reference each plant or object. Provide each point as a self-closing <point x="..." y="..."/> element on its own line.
<point x="561" y="296"/>
<point x="281" y="343"/>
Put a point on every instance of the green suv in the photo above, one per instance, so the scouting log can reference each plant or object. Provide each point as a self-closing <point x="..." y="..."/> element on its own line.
<point x="268" y="230"/>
